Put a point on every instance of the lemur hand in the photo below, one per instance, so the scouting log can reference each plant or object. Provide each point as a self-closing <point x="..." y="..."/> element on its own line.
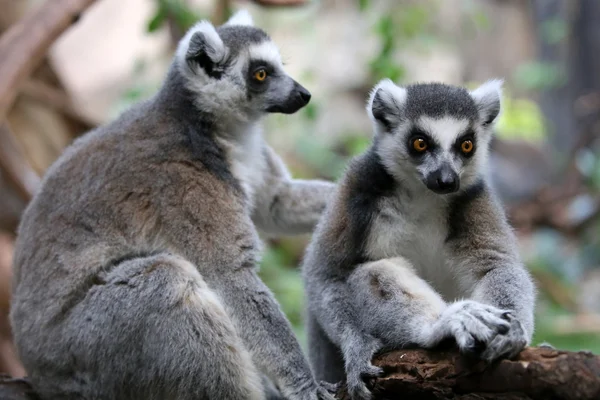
<point x="480" y="328"/>
<point x="506" y="345"/>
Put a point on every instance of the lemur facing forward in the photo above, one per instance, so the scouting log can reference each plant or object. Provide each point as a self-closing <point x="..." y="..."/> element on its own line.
<point x="414" y="224"/>
<point x="135" y="263"/>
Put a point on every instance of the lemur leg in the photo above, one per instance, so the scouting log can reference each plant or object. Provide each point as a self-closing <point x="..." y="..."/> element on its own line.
<point x="391" y="305"/>
<point x="381" y="304"/>
<point x="158" y="311"/>
<point x="288" y="206"/>
<point x="325" y="357"/>
<point x="395" y="303"/>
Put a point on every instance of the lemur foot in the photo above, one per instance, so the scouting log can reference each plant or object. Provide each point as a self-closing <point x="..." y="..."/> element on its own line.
<point x="474" y="325"/>
<point x="507" y="345"/>
<point x="321" y="392"/>
<point x="330" y="387"/>
<point x="356" y="377"/>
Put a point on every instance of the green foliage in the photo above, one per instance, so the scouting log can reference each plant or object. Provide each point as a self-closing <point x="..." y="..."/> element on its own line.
<point x="554" y="30"/>
<point x="539" y="75"/>
<point x="520" y="119"/>
<point x="545" y="331"/>
<point x="183" y="15"/>
<point x="395" y="29"/>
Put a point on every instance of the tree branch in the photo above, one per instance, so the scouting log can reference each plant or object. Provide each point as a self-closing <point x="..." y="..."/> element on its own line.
<point x="17" y="171"/>
<point x="25" y="44"/>
<point x="536" y="374"/>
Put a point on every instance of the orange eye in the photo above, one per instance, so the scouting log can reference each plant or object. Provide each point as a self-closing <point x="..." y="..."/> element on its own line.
<point x="420" y="144"/>
<point x="260" y="75"/>
<point x="466" y="146"/>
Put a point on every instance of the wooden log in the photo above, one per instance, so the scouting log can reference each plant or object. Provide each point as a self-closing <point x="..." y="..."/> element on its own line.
<point x="536" y="374"/>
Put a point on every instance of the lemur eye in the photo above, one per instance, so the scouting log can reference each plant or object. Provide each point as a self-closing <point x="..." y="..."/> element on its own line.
<point x="260" y="75"/>
<point x="420" y="144"/>
<point x="466" y="146"/>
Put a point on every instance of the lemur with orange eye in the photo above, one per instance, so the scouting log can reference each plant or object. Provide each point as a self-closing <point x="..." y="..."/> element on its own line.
<point x="415" y="248"/>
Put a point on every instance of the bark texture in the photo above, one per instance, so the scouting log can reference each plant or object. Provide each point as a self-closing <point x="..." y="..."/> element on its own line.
<point x="536" y="374"/>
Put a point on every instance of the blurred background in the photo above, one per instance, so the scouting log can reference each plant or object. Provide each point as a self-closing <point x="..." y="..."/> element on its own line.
<point x="545" y="162"/>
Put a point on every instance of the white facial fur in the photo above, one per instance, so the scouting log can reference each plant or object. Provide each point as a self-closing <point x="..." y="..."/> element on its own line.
<point x="266" y="51"/>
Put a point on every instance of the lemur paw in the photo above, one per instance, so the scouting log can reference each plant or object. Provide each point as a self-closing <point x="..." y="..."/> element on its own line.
<point x="330" y="387"/>
<point x="475" y="325"/>
<point x="507" y="345"/>
<point x="325" y="392"/>
<point x="356" y="377"/>
<point x="320" y="392"/>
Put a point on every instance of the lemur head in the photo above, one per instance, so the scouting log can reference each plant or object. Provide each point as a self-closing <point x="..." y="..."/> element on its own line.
<point x="235" y="71"/>
<point x="434" y="133"/>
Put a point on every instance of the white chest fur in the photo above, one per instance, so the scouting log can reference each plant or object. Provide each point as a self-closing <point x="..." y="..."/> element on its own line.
<point x="245" y="153"/>
<point x="415" y="229"/>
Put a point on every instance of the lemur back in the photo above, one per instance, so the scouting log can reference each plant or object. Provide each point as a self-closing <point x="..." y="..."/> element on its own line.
<point x="135" y="265"/>
<point x="413" y="229"/>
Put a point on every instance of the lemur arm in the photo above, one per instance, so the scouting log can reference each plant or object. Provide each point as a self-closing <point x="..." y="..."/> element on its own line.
<point x="231" y="272"/>
<point x="340" y="320"/>
<point x="484" y="252"/>
<point x="266" y="332"/>
<point x="286" y="206"/>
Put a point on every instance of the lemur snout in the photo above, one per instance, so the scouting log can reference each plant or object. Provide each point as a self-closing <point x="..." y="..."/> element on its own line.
<point x="299" y="97"/>
<point x="443" y="180"/>
<point x="303" y="93"/>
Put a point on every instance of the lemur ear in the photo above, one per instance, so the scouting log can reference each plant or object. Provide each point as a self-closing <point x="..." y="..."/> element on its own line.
<point x="488" y="100"/>
<point x="203" y="50"/>
<point x="386" y="103"/>
<point x="242" y="17"/>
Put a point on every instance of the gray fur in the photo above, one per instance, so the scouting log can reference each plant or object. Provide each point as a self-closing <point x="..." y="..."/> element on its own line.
<point x="394" y="264"/>
<point x="135" y="265"/>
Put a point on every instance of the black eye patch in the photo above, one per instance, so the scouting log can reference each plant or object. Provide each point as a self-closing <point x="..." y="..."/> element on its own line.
<point x="462" y="147"/>
<point x="255" y="65"/>
<point x="416" y="133"/>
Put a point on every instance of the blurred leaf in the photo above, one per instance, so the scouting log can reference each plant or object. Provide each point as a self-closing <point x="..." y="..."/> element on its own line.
<point x="554" y="30"/>
<point x="481" y="20"/>
<point x="310" y="111"/>
<point x="363" y="4"/>
<point x="157" y="20"/>
<point x="356" y="144"/>
<point x="538" y="75"/>
<point x="413" y="21"/>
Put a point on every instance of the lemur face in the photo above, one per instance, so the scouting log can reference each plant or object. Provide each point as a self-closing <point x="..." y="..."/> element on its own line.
<point x="237" y="66"/>
<point x="434" y="133"/>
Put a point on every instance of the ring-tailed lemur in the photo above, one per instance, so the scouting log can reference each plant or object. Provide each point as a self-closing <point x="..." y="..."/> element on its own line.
<point x="413" y="225"/>
<point x="135" y="263"/>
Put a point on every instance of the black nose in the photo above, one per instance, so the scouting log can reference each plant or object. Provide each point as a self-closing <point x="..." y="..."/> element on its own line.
<point x="304" y="94"/>
<point x="443" y="180"/>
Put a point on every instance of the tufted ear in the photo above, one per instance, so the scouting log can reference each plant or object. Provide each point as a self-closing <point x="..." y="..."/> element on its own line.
<point x="487" y="97"/>
<point x="202" y="50"/>
<point x="385" y="104"/>
<point x="242" y="17"/>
